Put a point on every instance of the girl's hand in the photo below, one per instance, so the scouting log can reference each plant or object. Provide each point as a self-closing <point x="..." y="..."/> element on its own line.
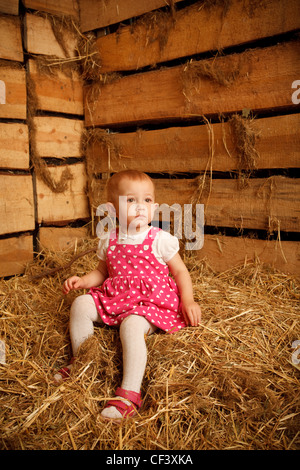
<point x="74" y="282"/>
<point x="92" y="279"/>
<point x="190" y="309"/>
<point x="191" y="313"/>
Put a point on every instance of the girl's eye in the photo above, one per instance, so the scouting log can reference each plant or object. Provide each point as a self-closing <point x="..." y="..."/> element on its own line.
<point x="130" y="199"/>
<point x="148" y="199"/>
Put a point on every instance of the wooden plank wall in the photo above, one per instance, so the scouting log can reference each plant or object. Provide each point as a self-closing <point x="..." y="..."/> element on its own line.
<point x="182" y="90"/>
<point x="173" y="76"/>
<point x="41" y="120"/>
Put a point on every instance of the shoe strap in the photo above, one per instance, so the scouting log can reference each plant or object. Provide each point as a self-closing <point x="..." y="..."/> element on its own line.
<point x="134" y="397"/>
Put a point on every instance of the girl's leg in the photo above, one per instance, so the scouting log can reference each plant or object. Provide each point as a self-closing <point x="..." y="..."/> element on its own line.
<point x="83" y="314"/>
<point x="132" y="334"/>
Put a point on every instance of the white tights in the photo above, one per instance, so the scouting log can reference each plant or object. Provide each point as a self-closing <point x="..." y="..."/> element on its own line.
<point x="132" y="334"/>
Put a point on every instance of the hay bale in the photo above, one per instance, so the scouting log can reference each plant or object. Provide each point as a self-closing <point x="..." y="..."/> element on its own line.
<point x="228" y="384"/>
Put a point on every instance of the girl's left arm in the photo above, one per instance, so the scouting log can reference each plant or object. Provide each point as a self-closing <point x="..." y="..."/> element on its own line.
<point x="190" y="309"/>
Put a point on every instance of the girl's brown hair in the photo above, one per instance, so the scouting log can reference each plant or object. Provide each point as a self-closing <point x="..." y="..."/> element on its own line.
<point x="113" y="182"/>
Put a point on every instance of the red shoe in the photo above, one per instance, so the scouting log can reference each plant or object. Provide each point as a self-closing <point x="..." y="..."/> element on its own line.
<point x="63" y="373"/>
<point x="124" y="408"/>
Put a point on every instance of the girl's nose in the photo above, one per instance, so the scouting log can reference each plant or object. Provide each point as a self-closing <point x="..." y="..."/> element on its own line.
<point x="140" y="207"/>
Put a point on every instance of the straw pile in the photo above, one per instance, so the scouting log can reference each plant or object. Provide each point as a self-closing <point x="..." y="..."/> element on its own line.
<point x="230" y="383"/>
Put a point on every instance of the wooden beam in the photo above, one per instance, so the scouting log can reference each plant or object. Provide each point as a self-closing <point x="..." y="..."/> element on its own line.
<point x="14" y="150"/>
<point x="61" y="238"/>
<point x="263" y="204"/>
<point x="222" y="253"/>
<point x="16" y="203"/>
<point x="256" y="79"/>
<point x="57" y="92"/>
<point x="14" y="88"/>
<point x="63" y="207"/>
<point x="187" y="149"/>
<point x="15" y="253"/>
<point x="10" y="38"/>
<point x="266" y="204"/>
<point x="56" y="7"/>
<point x="9" y="7"/>
<point x="95" y="14"/>
<point x="58" y="137"/>
<point x="194" y="30"/>
<point x="39" y="38"/>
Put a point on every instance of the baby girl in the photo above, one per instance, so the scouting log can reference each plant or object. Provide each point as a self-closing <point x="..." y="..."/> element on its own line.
<point x="131" y="287"/>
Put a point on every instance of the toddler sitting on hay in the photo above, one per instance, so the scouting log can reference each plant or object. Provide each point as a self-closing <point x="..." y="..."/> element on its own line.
<point x="131" y="287"/>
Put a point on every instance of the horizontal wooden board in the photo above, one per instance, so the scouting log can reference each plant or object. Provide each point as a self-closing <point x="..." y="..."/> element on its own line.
<point x="262" y="204"/>
<point x="58" y="137"/>
<point x="16" y="203"/>
<point x="95" y="14"/>
<point x="14" y="150"/>
<point x="261" y="79"/>
<point x="57" y="92"/>
<point x="40" y="39"/>
<point x="189" y="149"/>
<point x="9" y="7"/>
<point x="265" y="204"/>
<point x="194" y="30"/>
<point x="56" y="7"/>
<point x="61" y="238"/>
<point x="67" y="206"/>
<point x="222" y="253"/>
<point x="13" y="87"/>
<point x="15" y="253"/>
<point x="10" y="38"/>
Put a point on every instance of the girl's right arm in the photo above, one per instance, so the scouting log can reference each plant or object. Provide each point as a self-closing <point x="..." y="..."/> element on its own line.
<point x="93" y="279"/>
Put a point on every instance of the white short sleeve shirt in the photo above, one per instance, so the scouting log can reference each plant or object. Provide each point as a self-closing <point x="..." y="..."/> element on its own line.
<point x="164" y="247"/>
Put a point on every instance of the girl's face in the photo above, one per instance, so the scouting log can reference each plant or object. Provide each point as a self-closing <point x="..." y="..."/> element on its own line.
<point x="135" y="208"/>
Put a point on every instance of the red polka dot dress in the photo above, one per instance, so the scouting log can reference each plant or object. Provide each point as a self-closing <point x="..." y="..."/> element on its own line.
<point x="138" y="284"/>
